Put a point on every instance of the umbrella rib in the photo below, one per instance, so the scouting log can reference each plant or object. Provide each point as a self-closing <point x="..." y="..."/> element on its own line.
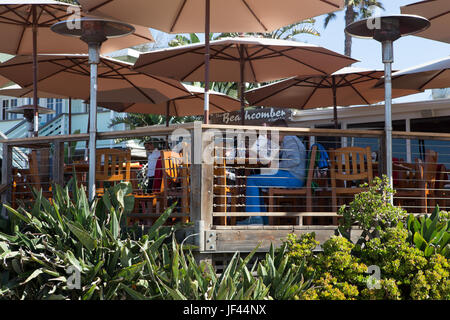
<point x="210" y="102"/>
<point x="277" y="91"/>
<point x="439" y="15"/>
<point x="23" y="33"/>
<point x="357" y="92"/>
<point x="65" y="68"/>
<point x="330" y="3"/>
<point x="24" y="20"/>
<point x="296" y="60"/>
<point x="432" y="78"/>
<point x="41" y="13"/>
<point x="55" y="18"/>
<point x="100" y="5"/>
<point x="178" y="15"/>
<point x="70" y="68"/>
<point x="250" y="62"/>
<point x="312" y="93"/>
<point x="211" y="57"/>
<point x="254" y="15"/>
<point x="129" y="81"/>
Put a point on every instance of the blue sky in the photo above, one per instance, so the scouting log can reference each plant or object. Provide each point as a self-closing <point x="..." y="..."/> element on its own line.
<point x="408" y="51"/>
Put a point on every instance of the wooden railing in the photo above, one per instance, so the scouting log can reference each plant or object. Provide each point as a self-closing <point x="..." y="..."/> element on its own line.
<point x="211" y="206"/>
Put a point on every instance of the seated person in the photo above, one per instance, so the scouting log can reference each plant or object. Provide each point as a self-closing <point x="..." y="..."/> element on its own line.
<point x="290" y="174"/>
<point x="153" y="155"/>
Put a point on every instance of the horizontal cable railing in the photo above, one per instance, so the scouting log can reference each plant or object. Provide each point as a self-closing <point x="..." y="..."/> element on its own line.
<point x="216" y="174"/>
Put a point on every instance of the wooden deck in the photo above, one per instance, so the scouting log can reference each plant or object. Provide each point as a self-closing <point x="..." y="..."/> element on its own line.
<point x="213" y="228"/>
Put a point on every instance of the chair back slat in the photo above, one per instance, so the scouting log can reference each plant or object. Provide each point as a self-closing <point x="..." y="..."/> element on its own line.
<point x="112" y="165"/>
<point x="357" y="164"/>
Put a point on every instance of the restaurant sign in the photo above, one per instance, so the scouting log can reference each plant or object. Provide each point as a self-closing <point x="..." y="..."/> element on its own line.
<point x="253" y="116"/>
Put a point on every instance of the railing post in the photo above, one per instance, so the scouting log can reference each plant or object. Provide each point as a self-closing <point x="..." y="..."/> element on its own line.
<point x="6" y="176"/>
<point x="201" y="186"/>
<point x="58" y="163"/>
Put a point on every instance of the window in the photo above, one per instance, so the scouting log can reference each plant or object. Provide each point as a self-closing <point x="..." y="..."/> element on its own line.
<point x="58" y="106"/>
<point x="13" y="116"/>
<point x="4" y="107"/>
<point x="50" y="105"/>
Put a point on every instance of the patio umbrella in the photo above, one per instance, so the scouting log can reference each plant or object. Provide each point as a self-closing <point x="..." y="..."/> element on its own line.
<point x="188" y="105"/>
<point x="26" y="26"/>
<point x="19" y="92"/>
<point x="438" y="12"/>
<point x="242" y="60"/>
<point x="68" y="75"/>
<point x="431" y="75"/>
<point x="183" y="16"/>
<point x="346" y="87"/>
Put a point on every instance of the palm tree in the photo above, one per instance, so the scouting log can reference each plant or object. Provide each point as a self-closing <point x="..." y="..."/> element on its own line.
<point x="355" y="10"/>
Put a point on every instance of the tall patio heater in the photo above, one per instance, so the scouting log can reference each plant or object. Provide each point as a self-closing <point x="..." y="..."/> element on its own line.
<point x="387" y="29"/>
<point x="94" y="32"/>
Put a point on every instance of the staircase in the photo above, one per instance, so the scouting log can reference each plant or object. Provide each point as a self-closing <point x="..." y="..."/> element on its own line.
<point x="54" y="127"/>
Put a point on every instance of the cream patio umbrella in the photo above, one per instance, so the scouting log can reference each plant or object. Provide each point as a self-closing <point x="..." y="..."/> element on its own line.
<point x="430" y="75"/>
<point x="346" y="87"/>
<point x="243" y="59"/>
<point x="187" y="16"/>
<point x="26" y="26"/>
<point x="188" y="105"/>
<point x="68" y="75"/>
<point x="438" y="13"/>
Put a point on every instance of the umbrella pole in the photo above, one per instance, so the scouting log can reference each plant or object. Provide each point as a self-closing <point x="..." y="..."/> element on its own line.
<point x="207" y="54"/>
<point x="69" y="151"/>
<point x="94" y="60"/>
<point x="241" y="83"/>
<point x="336" y="123"/>
<point x="167" y="113"/>
<point x="35" y="77"/>
<point x="388" y="59"/>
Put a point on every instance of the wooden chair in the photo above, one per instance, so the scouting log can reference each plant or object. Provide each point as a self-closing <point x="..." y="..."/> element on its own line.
<point x="442" y="192"/>
<point x="350" y="167"/>
<point x="429" y="180"/>
<point x="417" y="183"/>
<point x="175" y="181"/>
<point x="112" y="166"/>
<point x="409" y="186"/>
<point x="292" y="195"/>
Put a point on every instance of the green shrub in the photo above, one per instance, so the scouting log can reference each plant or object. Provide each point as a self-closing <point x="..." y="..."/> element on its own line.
<point x="371" y="211"/>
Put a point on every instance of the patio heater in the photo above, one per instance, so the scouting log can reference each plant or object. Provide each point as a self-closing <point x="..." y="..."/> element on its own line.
<point x="387" y="29"/>
<point x="94" y="32"/>
<point x="28" y="112"/>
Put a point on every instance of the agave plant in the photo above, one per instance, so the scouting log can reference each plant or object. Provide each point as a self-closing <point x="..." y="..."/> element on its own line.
<point x="69" y="233"/>
<point x="70" y="248"/>
<point x="431" y="234"/>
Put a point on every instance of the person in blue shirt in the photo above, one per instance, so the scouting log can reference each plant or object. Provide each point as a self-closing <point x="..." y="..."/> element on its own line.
<point x="290" y="174"/>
